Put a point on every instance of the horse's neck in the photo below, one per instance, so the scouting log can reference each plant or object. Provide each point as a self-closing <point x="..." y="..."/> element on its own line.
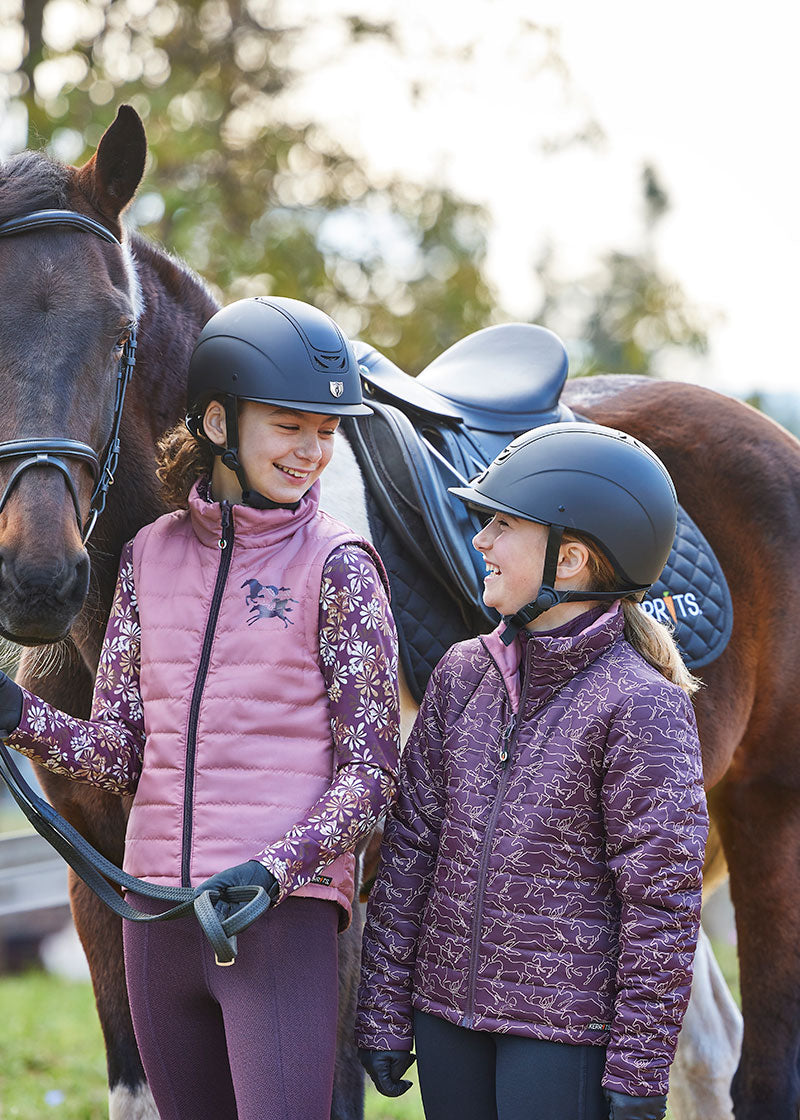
<point x="177" y="304"/>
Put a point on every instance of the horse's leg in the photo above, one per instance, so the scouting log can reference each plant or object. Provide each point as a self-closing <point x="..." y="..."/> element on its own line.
<point x="759" y="820"/>
<point x="711" y="1036"/>
<point x="708" y="1045"/>
<point x="100" y="817"/>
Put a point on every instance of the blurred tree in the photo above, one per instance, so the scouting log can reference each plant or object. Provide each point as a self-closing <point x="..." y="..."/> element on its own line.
<point x="258" y="202"/>
<point x="626" y="316"/>
<point x="252" y="202"/>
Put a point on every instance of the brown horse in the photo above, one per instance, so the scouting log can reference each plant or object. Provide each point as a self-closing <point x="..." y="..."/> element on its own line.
<point x="69" y="299"/>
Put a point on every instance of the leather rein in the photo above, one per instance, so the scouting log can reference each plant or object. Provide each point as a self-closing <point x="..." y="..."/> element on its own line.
<point x="53" y="452"/>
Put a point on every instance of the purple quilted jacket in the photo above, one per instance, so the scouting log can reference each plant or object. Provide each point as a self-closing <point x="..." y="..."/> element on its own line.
<point x="541" y="868"/>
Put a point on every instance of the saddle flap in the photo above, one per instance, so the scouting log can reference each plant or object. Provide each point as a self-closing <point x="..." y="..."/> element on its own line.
<point x="408" y="476"/>
<point x="506" y="378"/>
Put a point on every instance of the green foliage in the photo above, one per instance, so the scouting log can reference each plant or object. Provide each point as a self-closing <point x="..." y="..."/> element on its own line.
<point x="260" y="200"/>
<point x="407" y="1107"/>
<point x="256" y="201"/>
<point x="53" y="1056"/>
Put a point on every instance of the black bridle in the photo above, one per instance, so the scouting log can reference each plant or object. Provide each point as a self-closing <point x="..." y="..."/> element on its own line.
<point x="52" y="452"/>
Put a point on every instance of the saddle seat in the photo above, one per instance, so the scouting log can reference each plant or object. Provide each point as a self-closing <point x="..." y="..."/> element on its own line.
<point x="444" y="427"/>
<point x="504" y="379"/>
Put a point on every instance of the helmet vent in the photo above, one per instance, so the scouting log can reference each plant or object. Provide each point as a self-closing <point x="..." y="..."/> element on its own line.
<point x="330" y="362"/>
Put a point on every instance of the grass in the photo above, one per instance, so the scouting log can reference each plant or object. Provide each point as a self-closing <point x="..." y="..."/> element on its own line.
<point x="52" y="1061"/>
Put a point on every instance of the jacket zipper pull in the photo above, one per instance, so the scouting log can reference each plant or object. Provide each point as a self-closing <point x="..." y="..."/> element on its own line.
<point x="226" y="525"/>
<point x="505" y="739"/>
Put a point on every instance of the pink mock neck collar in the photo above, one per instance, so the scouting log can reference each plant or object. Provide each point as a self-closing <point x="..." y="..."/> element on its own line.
<point x="254" y="528"/>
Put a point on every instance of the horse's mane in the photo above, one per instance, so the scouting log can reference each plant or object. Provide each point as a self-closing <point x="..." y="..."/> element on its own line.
<point x="32" y="181"/>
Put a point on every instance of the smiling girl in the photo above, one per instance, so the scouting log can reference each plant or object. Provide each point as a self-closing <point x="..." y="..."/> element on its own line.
<point x="228" y="701"/>
<point x="533" y="926"/>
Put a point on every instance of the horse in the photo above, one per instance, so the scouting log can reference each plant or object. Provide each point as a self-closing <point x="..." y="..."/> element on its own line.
<point x="70" y="301"/>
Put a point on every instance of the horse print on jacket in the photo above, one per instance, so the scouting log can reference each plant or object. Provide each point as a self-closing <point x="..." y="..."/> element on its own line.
<point x="275" y="605"/>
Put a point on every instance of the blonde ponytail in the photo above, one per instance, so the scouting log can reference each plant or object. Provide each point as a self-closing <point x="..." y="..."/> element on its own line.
<point x="651" y="639"/>
<point x="654" y="642"/>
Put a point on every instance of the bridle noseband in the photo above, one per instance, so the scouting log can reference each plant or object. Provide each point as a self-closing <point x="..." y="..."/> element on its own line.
<point x="52" y="452"/>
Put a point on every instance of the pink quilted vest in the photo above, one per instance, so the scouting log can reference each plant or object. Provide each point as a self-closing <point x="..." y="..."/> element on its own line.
<point x="236" y="715"/>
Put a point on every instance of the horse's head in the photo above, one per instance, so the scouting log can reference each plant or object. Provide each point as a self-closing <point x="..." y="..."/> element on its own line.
<point x="68" y="300"/>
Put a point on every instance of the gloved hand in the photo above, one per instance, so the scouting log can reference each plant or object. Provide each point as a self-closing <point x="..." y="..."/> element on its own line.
<point x="624" y="1107"/>
<point x="386" y="1067"/>
<point x="10" y="704"/>
<point x="251" y="873"/>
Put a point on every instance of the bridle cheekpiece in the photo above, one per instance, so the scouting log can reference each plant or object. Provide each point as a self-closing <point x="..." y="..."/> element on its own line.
<point x="52" y="452"/>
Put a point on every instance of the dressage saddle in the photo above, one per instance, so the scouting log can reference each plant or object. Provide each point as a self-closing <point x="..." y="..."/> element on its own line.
<point x="444" y="427"/>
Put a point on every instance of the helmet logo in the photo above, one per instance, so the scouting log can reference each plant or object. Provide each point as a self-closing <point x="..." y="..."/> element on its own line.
<point x="336" y="388"/>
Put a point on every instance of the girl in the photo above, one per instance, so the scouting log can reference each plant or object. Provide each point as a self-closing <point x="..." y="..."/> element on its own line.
<point x="534" y="921"/>
<point x="246" y="695"/>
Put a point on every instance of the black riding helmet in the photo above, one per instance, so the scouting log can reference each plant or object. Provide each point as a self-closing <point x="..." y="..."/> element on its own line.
<point x="273" y="350"/>
<point x="591" y="479"/>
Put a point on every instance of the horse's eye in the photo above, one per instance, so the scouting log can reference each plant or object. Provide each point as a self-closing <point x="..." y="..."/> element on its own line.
<point x="122" y="340"/>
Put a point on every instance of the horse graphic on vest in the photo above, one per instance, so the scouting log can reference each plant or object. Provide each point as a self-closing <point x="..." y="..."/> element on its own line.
<point x="276" y="606"/>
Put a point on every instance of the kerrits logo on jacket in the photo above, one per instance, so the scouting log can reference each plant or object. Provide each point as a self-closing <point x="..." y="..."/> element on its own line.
<point x="267" y="601"/>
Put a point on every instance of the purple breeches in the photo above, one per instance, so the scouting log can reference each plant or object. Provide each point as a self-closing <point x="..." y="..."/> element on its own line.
<point x="252" y="1041"/>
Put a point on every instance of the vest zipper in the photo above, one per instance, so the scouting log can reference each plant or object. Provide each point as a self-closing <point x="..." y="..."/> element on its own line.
<point x="226" y="552"/>
<point x="508" y="742"/>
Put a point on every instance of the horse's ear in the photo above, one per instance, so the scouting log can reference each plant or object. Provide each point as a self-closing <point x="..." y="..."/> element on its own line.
<point x="111" y="176"/>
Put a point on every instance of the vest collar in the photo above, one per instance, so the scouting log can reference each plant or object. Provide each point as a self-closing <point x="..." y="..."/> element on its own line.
<point x="254" y="528"/>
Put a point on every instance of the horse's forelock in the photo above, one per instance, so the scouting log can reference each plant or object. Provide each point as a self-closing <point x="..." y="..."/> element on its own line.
<point x="134" y="283"/>
<point x="32" y="181"/>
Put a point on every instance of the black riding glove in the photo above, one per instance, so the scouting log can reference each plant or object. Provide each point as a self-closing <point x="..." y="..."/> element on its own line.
<point x="386" y="1067"/>
<point x="251" y="873"/>
<point x="624" y="1107"/>
<point x="10" y="704"/>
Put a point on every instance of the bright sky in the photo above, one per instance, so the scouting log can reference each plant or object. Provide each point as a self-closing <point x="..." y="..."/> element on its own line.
<point x="707" y="92"/>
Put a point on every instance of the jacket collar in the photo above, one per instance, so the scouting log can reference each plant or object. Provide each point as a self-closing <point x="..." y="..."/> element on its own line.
<point x="254" y="528"/>
<point x="551" y="661"/>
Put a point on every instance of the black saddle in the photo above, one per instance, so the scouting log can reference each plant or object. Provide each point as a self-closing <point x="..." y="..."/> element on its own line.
<point x="443" y="428"/>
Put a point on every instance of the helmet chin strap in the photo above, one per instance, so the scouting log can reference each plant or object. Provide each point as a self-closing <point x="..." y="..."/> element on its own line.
<point x="547" y="596"/>
<point x="230" y="458"/>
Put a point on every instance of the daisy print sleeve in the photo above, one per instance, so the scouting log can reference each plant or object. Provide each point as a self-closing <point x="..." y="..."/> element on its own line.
<point x="358" y="659"/>
<point x="105" y="750"/>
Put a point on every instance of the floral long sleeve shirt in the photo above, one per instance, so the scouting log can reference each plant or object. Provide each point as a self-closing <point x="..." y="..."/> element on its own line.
<point x="358" y="661"/>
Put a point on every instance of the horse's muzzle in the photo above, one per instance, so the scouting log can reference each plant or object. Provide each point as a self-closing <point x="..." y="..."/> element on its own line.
<point x="38" y="605"/>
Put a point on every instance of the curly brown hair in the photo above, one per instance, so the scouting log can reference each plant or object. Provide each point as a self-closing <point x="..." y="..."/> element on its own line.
<point x="180" y="460"/>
